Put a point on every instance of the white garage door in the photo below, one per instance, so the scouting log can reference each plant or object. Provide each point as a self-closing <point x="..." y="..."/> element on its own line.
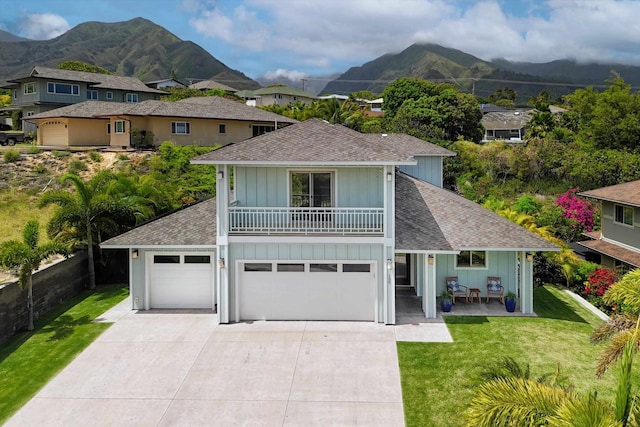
<point x="54" y="132"/>
<point x="307" y="291"/>
<point x="181" y="280"/>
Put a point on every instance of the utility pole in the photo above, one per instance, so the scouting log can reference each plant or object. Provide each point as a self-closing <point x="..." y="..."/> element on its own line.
<point x="303" y="83"/>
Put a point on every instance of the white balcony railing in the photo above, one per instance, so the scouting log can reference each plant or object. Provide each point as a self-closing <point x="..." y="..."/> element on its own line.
<point x="305" y="220"/>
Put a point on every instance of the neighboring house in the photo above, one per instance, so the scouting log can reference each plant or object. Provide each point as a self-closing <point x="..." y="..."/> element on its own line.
<point x="166" y="84"/>
<point x="306" y="224"/>
<point x="276" y="95"/>
<point x="508" y="125"/>
<point x="376" y="105"/>
<point x="45" y="89"/>
<point x="617" y="244"/>
<point x="206" y="85"/>
<point x="209" y="120"/>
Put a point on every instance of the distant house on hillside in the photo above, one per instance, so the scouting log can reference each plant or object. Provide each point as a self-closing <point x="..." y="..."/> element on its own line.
<point x="275" y="95"/>
<point x="206" y="85"/>
<point x="209" y="120"/>
<point x="166" y="84"/>
<point x="45" y="89"/>
<point x="507" y="125"/>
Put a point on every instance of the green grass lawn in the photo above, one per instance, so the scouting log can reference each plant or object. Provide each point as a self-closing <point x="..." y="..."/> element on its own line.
<point x="438" y="378"/>
<point x="16" y="209"/>
<point x="30" y="359"/>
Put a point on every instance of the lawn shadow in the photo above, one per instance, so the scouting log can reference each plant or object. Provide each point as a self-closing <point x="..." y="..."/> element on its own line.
<point x="548" y="306"/>
<point x="63" y="326"/>
<point x="465" y="320"/>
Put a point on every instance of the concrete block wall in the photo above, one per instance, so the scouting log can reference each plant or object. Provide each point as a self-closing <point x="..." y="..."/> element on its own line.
<point x="52" y="285"/>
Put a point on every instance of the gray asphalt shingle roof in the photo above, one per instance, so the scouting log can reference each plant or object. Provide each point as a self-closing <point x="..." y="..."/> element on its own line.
<point x="194" y="225"/>
<point x="211" y="84"/>
<point x="432" y="218"/>
<point x="212" y="107"/>
<point x="318" y="142"/>
<point x="96" y="80"/>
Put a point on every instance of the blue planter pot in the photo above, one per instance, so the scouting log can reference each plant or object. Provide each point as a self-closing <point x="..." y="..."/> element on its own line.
<point x="446" y="305"/>
<point x="510" y="305"/>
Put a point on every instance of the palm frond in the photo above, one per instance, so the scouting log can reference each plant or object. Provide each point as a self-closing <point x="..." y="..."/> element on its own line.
<point x="625" y="292"/>
<point x="612" y="352"/>
<point x="616" y="324"/>
<point x="585" y="412"/>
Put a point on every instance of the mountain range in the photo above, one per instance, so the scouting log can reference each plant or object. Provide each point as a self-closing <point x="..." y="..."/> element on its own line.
<point x="143" y="49"/>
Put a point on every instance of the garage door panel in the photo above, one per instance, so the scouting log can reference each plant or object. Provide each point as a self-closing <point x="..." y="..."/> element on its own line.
<point x="181" y="285"/>
<point x="307" y="296"/>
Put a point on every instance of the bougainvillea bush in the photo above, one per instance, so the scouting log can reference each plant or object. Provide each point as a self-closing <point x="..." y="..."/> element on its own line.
<point x="576" y="208"/>
<point x="597" y="284"/>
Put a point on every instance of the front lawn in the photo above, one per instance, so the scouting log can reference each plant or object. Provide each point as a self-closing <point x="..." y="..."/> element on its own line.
<point x="30" y="359"/>
<point x="438" y="378"/>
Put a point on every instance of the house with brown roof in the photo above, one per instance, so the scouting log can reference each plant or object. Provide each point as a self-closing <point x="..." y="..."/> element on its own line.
<point x="617" y="243"/>
<point x="308" y="222"/>
<point x="45" y="89"/>
<point x="209" y="120"/>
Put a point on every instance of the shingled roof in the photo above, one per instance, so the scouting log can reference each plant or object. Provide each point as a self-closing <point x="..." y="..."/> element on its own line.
<point x="505" y="120"/>
<point x="193" y="226"/>
<point x="211" y="84"/>
<point x="316" y="142"/>
<point x="95" y="80"/>
<point x="432" y="218"/>
<point x="627" y="193"/>
<point x="614" y="251"/>
<point x="211" y="107"/>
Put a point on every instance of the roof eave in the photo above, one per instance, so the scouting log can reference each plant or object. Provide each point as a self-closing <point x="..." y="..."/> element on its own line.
<point x="297" y="163"/>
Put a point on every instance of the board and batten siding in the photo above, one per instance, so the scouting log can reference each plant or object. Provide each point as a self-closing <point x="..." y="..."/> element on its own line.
<point x="622" y="233"/>
<point x="268" y="186"/>
<point x="292" y="252"/>
<point x="428" y="169"/>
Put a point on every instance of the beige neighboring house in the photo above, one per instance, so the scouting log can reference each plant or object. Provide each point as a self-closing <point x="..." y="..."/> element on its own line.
<point x="206" y="85"/>
<point x="201" y="121"/>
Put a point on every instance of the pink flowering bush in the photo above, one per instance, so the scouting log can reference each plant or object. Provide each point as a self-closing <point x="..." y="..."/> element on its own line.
<point x="576" y="208"/>
<point x="597" y="284"/>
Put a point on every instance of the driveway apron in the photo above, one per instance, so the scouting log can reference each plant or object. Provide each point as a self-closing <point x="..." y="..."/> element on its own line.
<point x="184" y="369"/>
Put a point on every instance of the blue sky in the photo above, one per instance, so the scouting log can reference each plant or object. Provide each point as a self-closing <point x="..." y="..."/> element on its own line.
<point x="300" y="38"/>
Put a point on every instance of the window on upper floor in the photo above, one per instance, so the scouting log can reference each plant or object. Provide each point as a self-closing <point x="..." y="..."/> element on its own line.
<point x="30" y="113"/>
<point x="311" y="189"/>
<point x="109" y="96"/>
<point x="63" y="88"/>
<point x="260" y="129"/>
<point x="92" y="94"/>
<point x="222" y="128"/>
<point x="132" y="97"/>
<point x="15" y="94"/>
<point x="471" y="259"/>
<point x="623" y="215"/>
<point x="30" y="88"/>
<point x="180" y="128"/>
<point x="118" y="126"/>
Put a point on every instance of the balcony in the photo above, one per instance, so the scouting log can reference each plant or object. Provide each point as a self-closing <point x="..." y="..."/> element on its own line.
<point x="341" y="221"/>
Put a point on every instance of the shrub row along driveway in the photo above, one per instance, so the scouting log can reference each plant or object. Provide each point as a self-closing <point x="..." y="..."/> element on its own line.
<point x="168" y="368"/>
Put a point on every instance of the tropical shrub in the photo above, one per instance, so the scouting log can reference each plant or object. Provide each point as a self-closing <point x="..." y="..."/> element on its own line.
<point x="11" y="155"/>
<point x="599" y="281"/>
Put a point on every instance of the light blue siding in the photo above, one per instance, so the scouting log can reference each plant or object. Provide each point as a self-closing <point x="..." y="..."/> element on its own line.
<point x="428" y="169"/>
<point x="360" y="187"/>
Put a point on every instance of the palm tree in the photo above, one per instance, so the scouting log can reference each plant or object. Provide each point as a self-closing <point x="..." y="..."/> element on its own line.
<point x="89" y="215"/>
<point x="26" y="256"/>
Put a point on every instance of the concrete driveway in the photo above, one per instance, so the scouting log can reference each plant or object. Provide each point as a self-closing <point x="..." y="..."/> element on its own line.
<point x="183" y="369"/>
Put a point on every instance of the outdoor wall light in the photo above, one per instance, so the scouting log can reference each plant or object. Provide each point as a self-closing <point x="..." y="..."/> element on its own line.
<point x="389" y="176"/>
<point x="389" y="264"/>
<point x="134" y="254"/>
<point x="220" y="174"/>
<point x="431" y="259"/>
<point x="529" y="256"/>
<point x="221" y="263"/>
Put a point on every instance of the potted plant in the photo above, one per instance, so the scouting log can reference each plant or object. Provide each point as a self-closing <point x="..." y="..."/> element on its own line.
<point x="445" y="301"/>
<point x="510" y="302"/>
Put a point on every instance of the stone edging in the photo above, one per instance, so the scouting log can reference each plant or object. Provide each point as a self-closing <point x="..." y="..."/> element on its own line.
<point x="586" y="304"/>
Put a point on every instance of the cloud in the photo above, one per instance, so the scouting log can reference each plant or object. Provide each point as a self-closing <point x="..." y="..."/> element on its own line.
<point x="287" y="74"/>
<point x="43" y="26"/>
<point x="319" y="35"/>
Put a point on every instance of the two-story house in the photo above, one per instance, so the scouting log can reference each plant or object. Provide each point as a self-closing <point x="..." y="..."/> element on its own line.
<point x="276" y="95"/>
<point x="617" y="243"/>
<point x="306" y="225"/>
<point x="45" y="88"/>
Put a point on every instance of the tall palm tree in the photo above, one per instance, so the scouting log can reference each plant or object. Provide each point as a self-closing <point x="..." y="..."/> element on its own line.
<point x="89" y="215"/>
<point x="26" y="256"/>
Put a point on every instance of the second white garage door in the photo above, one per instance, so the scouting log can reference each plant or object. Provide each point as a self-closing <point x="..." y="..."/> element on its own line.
<point x="307" y="291"/>
<point x="181" y="281"/>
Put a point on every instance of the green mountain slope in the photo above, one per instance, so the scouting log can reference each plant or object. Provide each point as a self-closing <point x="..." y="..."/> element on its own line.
<point x="137" y="48"/>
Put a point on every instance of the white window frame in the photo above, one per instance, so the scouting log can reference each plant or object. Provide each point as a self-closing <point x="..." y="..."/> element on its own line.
<point x="131" y="97"/>
<point x="471" y="266"/>
<point x="30" y="88"/>
<point x="109" y="96"/>
<point x="117" y="125"/>
<point x="30" y="113"/>
<point x="75" y="89"/>
<point x="176" y="125"/>
<point x="334" y="179"/>
<point x="222" y="128"/>
<point x="624" y="208"/>
<point x="92" y="92"/>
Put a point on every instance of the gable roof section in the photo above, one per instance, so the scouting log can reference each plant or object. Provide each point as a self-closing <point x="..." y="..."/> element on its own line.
<point x="627" y="193"/>
<point x="95" y="80"/>
<point x="194" y="226"/>
<point x="211" y="84"/>
<point x="284" y="90"/>
<point x="432" y="218"/>
<point x="505" y="120"/>
<point x="612" y="250"/>
<point x="316" y="142"/>
<point x="214" y="108"/>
